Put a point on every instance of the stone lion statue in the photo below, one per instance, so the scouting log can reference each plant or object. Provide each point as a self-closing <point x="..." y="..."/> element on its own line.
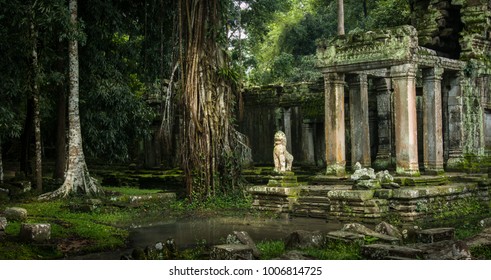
<point x="282" y="158"/>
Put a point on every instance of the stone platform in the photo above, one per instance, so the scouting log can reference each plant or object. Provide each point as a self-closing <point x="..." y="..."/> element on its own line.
<point x="432" y="199"/>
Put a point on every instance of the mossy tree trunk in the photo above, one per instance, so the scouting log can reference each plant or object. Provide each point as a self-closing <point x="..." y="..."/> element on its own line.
<point x="207" y="95"/>
<point x="77" y="178"/>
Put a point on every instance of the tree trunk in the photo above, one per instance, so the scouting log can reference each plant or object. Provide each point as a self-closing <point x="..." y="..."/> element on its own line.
<point x="340" y="17"/>
<point x="77" y="178"/>
<point x="60" y="163"/>
<point x="206" y="134"/>
<point x="36" y="107"/>
<point x="26" y="138"/>
<point x="1" y="162"/>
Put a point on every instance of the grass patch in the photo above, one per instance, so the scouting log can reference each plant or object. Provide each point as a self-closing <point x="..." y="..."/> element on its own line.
<point x="131" y="191"/>
<point x="101" y="229"/>
<point x="336" y="251"/>
<point x="271" y="249"/>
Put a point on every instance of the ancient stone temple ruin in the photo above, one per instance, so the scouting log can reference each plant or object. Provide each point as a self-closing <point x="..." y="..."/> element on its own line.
<point x="412" y="99"/>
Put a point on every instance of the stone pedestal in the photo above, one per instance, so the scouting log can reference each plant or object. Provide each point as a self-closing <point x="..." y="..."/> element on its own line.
<point x="404" y="85"/>
<point x="334" y="124"/>
<point x="285" y="179"/>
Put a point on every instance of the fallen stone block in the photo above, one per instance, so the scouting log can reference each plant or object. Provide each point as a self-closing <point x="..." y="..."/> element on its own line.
<point x="35" y="232"/>
<point x="231" y="252"/>
<point x="388" y="229"/>
<point x="361" y="229"/>
<point x="385" y="251"/>
<point x="302" y="239"/>
<point x="15" y="214"/>
<point x="246" y="239"/>
<point x="445" y="250"/>
<point x="345" y="236"/>
<point x="436" y="234"/>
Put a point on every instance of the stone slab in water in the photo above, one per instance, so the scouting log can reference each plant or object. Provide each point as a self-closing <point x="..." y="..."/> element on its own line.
<point x="232" y="252"/>
<point x="35" y="232"/>
<point x="436" y="234"/>
<point x="385" y="251"/>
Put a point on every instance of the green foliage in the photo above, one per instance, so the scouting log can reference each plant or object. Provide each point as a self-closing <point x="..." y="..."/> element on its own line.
<point x="286" y="44"/>
<point x="481" y="253"/>
<point x="472" y="163"/>
<point x="271" y="249"/>
<point x="336" y="251"/>
<point x="236" y="199"/>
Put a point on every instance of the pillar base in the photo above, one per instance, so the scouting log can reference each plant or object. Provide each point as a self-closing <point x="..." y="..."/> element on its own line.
<point x="382" y="163"/>
<point x="454" y="163"/>
<point x="407" y="172"/>
<point x="434" y="172"/>
<point x="336" y="170"/>
<point x="285" y="179"/>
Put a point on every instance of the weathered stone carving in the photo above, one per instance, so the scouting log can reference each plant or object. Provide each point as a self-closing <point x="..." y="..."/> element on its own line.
<point x="282" y="158"/>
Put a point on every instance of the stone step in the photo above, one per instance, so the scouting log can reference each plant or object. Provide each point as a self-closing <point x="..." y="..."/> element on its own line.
<point x="330" y="180"/>
<point x="421" y="181"/>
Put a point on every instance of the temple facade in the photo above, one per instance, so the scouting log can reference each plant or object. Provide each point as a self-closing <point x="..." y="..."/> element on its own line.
<point x="411" y="98"/>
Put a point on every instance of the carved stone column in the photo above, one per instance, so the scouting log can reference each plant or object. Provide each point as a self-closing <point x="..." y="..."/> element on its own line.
<point x="404" y="85"/>
<point x="308" y="142"/>
<point x="455" y="123"/>
<point x="360" y="132"/>
<point x="384" y="156"/>
<point x="287" y="118"/>
<point x="432" y="120"/>
<point x="334" y="124"/>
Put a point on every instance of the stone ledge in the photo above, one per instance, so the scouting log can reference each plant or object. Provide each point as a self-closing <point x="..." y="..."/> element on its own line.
<point x="278" y="191"/>
<point x="419" y="192"/>
<point x="355" y="195"/>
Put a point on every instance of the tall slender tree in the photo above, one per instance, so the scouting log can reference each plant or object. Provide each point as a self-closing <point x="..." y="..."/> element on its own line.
<point x="340" y="17"/>
<point x="77" y="177"/>
<point x="36" y="100"/>
<point x="1" y="162"/>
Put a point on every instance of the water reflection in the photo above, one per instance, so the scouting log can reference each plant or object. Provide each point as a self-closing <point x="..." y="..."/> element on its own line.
<point x="187" y="233"/>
